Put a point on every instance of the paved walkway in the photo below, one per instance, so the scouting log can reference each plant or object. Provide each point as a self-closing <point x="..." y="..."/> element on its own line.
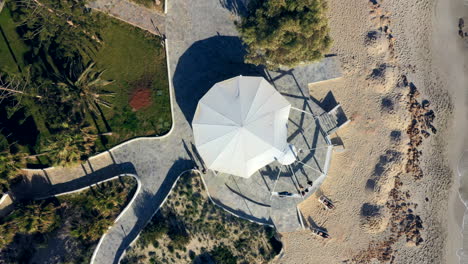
<point x="134" y="14"/>
<point x="203" y="49"/>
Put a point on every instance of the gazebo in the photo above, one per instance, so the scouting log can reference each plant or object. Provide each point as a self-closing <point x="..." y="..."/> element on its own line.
<point x="267" y="148"/>
<point x="240" y="126"/>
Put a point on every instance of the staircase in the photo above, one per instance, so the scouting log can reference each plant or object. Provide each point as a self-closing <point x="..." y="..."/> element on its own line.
<point x="328" y="123"/>
<point x="334" y="119"/>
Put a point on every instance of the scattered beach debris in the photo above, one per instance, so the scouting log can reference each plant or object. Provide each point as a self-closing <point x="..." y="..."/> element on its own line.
<point x="404" y="222"/>
<point x="461" y="25"/>
<point x="382" y="21"/>
<point x="398" y="214"/>
<point x="381" y="251"/>
<point x="420" y="128"/>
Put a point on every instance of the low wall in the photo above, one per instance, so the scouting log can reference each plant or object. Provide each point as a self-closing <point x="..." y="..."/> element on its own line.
<point x="6" y="204"/>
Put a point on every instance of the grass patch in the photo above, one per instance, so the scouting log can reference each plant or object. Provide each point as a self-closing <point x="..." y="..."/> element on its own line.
<point x="65" y="229"/>
<point x="12" y="47"/>
<point x="190" y="229"/>
<point x="134" y="59"/>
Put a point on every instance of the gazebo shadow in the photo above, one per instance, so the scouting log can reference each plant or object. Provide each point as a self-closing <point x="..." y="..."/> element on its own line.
<point x="205" y="63"/>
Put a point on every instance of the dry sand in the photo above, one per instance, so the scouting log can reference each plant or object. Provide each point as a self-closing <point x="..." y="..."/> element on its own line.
<point x="401" y="61"/>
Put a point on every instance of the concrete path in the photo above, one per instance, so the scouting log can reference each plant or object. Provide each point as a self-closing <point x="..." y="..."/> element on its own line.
<point x="132" y="13"/>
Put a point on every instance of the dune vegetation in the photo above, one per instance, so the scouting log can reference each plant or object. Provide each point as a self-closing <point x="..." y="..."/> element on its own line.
<point x="63" y="229"/>
<point x="189" y="228"/>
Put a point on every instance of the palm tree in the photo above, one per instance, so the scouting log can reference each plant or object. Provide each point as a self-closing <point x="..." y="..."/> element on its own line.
<point x="88" y="89"/>
<point x="7" y="236"/>
<point x="33" y="218"/>
<point x="69" y="147"/>
<point x="9" y="166"/>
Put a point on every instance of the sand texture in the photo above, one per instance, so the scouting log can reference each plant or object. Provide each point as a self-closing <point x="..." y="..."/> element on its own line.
<point x="391" y="185"/>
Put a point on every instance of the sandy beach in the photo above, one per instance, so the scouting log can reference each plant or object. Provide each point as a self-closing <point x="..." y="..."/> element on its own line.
<point x="404" y="89"/>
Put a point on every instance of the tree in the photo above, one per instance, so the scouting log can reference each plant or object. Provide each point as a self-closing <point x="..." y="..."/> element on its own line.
<point x="222" y="254"/>
<point x="36" y="217"/>
<point x="68" y="147"/>
<point x="87" y="87"/>
<point x="285" y="32"/>
<point x="9" y="166"/>
<point x="62" y="28"/>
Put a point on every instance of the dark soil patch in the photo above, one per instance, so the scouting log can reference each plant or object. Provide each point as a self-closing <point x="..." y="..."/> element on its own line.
<point x="140" y="98"/>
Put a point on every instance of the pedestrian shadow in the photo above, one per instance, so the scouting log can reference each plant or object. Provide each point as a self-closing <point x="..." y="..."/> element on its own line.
<point x="205" y="63"/>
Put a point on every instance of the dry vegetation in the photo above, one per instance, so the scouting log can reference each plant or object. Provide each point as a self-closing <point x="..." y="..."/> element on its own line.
<point x="63" y="229"/>
<point x="190" y="229"/>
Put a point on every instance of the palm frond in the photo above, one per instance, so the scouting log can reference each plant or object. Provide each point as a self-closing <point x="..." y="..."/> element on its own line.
<point x="104" y="103"/>
<point x="86" y="72"/>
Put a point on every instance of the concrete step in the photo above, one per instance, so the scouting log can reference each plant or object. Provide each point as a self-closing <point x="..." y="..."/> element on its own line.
<point x="327" y="122"/>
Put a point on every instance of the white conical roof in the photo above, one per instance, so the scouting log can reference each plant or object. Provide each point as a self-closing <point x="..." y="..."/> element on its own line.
<point x="240" y="125"/>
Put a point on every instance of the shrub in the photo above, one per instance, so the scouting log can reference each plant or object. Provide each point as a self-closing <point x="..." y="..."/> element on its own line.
<point x="285" y="33"/>
<point x="179" y="239"/>
<point x="155" y="243"/>
<point x="192" y="255"/>
<point x="29" y="218"/>
<point x="170" y="248"/>
<point x="222" y="255"/>
<point x="153" y="231"/>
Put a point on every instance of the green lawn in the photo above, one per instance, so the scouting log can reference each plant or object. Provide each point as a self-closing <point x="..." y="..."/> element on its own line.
<point x="12" y="47"/>
<point x="133" y="59"/>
